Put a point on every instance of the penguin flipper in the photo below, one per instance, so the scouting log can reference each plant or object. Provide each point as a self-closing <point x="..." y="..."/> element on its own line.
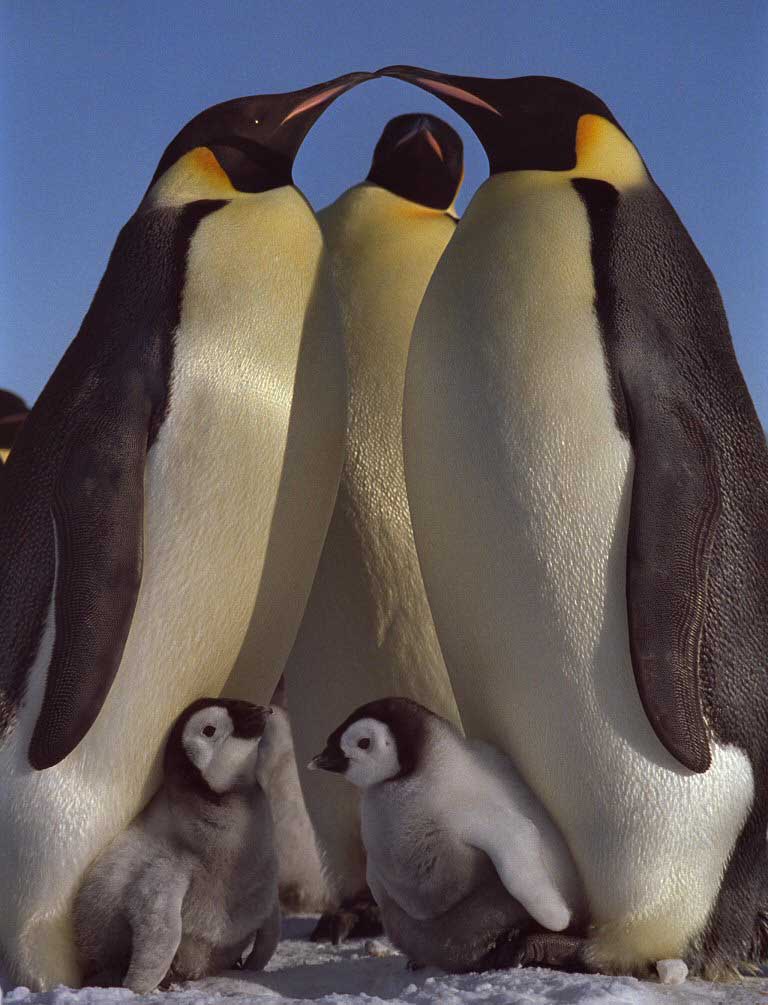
<point x="98" y="517"/>
<point x="513" y="844"/>
<point x="675" y="511"/>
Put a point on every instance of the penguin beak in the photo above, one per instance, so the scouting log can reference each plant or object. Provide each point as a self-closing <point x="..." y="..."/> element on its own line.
<point x="458" y="92"/>
<point x="303" y="108"/>
<point x="329" y="760"/>
<point x="421" y="131"/>
<point x="248" y="720"/>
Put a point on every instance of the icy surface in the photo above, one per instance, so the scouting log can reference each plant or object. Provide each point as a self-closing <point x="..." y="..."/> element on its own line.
<point x="302" y="972"/>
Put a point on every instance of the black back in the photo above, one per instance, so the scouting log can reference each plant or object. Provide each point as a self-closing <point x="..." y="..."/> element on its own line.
<point x="697" y="553"/>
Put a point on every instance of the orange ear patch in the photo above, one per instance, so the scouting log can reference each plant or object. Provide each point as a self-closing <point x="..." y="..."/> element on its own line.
<point x="203" y="162"/>
<point x="196" y="175"/>
<point x="589" y="131"/>
<point x="604" y="152"/>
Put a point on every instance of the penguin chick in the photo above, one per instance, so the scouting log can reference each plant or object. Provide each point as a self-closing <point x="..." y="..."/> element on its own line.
<point x="302" y="883"/>
<point x="191" y="884"/>
<point x="461" y="856"/>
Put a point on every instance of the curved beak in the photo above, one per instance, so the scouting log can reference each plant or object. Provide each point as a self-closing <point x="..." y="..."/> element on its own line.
<point x="303" y="108"/>
<point x="458" y="92"/>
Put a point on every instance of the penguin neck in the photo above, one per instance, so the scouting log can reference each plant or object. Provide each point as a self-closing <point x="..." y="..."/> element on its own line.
<point x="379" y="202"/>
<point x="198" y="176"/>
<point x="200" y="802"/>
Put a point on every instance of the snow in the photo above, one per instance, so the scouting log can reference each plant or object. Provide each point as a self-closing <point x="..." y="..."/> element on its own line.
<point x="360" y="973"/>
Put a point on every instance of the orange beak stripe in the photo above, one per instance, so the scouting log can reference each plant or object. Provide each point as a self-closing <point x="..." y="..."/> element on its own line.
<point x="315" y="99"/>
<point x="451" y="91"/>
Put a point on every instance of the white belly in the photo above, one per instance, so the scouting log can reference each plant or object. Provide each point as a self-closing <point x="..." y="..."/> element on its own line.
<point x="519" y="483"/>
<point x="212" y="485"/>
<point x="367" y="631"/>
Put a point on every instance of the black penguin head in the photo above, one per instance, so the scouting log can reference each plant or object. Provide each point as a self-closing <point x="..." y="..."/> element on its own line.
<point x="13" y="412"/>
<point x="535" y="123"/>
<point x="420" y="158"/>
<point x="248" y="144"/>
<point x="380" y="741"/>
<point x="213" y="745"/>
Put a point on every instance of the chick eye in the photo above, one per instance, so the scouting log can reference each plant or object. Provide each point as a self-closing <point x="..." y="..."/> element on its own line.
<point x="364" y="744"/>
<point x="209" y="730"/>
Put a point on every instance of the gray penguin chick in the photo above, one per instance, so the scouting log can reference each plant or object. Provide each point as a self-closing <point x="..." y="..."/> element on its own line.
<point x="462" y="858"/>
<point x="186" y="889"/>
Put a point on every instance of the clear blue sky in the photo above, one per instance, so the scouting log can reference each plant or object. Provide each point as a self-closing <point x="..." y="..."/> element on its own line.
<point x="92" y="91"/>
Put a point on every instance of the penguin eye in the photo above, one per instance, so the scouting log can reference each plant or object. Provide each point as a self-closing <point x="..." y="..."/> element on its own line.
<point x="364" y="744"/>
<point x="209" y="730"/>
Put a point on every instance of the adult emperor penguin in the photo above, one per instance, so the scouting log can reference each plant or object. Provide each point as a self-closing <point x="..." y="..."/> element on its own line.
<point x="367" y="631"/>
<point x="150" y="499"/>
<point x="588" y="483"/>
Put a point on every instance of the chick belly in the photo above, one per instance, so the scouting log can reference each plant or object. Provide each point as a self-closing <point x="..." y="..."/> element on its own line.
<point x="458" y="938"/>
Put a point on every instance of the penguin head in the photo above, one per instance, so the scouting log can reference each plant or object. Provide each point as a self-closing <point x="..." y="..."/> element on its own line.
<point x="13" y="412"/>
<point x="244" y="145"/>
<point x="213" y="745"/>
<point x="536" y="124"/>
<point x="421" y="158"/>
<point x="379" y="742"/>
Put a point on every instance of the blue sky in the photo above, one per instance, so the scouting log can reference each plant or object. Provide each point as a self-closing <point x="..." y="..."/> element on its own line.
<point x="92" y="91"/>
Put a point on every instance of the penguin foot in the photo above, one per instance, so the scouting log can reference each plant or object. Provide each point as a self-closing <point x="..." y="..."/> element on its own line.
<point x="537" y="949"/>
<point x="355" y="918"/>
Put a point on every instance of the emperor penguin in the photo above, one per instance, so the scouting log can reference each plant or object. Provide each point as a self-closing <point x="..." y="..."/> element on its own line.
<point x="13" y="412"/>
<point x="172" y="485"/>
<point x="190" y="886"/>
<point x="461" y="856"/>
<point x="588" y="483"/>
<point x="367" y="631"/>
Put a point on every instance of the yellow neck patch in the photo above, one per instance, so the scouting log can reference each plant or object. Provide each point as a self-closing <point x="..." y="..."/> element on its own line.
<point x="196" y="175"/>
<point x="604" y="152"/>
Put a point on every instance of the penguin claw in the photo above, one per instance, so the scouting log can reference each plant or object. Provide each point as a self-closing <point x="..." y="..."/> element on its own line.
<point x="355" y="918"/>
<point x="536" y="949"/>
<point x="551" y="949"/>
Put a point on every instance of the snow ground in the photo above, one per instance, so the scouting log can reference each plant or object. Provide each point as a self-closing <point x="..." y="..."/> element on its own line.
<point x="306" y="972"/>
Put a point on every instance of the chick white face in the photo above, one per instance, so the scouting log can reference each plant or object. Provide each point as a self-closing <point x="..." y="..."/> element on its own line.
<point x="371" y="750"/>
<point x="222" y="758"/>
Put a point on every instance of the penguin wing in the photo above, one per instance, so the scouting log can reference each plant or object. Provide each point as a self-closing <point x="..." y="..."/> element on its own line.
<point x="674" y="515"/>
<point x="513" y="844"/>
<point x="97" y="510"/>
